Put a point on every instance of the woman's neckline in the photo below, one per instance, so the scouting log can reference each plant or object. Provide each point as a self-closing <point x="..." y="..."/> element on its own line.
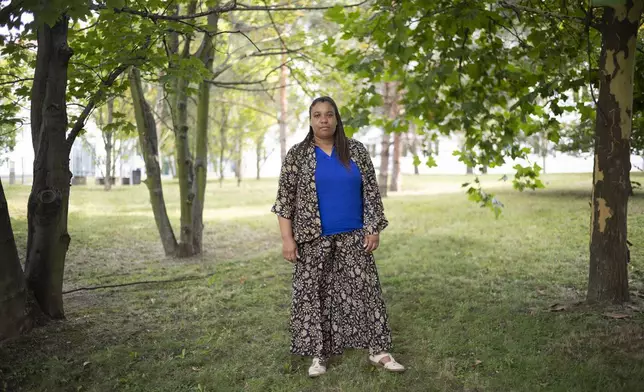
<point x="327" y="154"/>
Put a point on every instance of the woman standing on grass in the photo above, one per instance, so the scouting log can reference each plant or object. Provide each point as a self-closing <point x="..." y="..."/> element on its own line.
<point x="330" y="215"/>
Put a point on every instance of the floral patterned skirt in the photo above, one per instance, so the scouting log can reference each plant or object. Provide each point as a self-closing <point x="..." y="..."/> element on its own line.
<point x="337" y="301"/>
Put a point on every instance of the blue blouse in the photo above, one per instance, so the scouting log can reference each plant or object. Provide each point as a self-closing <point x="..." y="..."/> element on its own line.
<point x="339" y="193"/>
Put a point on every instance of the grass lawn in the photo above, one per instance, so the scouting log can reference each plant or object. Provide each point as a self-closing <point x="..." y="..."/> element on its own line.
<point x="475" y="304"/>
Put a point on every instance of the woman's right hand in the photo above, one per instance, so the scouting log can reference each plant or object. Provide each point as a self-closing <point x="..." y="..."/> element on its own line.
<point x="289" y="250"/>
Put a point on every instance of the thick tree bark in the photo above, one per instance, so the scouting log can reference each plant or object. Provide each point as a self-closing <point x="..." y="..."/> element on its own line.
<point x="149" y="145"/>
<point x="13" y="291"/>
<point x="48" y="239"/>
<point x="283" y="107"/>
<point x="609" y="254"/>
<point x="207" y="54"/>
<point x="109" y="146"/>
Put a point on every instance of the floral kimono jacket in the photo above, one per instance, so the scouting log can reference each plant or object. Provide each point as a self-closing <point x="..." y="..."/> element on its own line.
<point x="297" y="196"/>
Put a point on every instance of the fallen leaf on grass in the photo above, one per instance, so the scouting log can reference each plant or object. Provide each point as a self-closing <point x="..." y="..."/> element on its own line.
<point x="541" y="292"/>
<point x="86" y="363"/>
<point x="477" y="362"/>
<point x="617" y="315"/>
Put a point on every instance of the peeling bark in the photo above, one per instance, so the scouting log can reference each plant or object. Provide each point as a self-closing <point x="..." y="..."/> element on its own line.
<point x="609" y="253"/>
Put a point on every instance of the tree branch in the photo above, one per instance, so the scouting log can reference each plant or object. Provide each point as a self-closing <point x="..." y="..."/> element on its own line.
<point x="236" y="83"/>
<point x="229" y="7"/>
<point x="16" y="81"/>
<point x="239" y="32"/>
<point x="519" y="8"/>
<point x="292" y="74"/>
<point x="271" y="115"/>
<point x="279" y="35"/>
<point x="100" y="94"/>
<point x="108" y="286"/>
<point x="234" y="87"/>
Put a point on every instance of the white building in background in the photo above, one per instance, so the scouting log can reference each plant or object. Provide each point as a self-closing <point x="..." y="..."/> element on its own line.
<point x="88" y="157"/>
<point x="82" y="160"/>
<point x="447" y="163"/>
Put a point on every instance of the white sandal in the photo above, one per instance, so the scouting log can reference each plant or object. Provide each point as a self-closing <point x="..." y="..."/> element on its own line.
<point x="391" y="366"/>
<point x="317" y="368"/>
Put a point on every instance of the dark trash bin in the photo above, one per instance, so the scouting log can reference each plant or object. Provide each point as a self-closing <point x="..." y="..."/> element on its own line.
<point x="136" y="177"/>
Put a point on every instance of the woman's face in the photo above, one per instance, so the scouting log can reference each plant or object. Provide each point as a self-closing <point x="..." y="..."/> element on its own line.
<point x="323" y="120"/>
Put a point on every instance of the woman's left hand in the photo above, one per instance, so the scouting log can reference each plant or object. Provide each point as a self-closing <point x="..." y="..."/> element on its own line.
<point x="371" y="242"/>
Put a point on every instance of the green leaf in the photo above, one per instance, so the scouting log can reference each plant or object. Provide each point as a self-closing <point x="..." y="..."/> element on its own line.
<point x="336" y="14"/>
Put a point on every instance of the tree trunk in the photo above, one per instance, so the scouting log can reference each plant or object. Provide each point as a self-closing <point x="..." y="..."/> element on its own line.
<point x="238" y="159"/>
<point x="201" y="168"/>
<point x="149" y="145"/>
<point x="107" y="139"/>
<point x="259" y="144"/>
<point x="393" y="115"/>
<point x="207" y="54"/>
<point x="185" y="169"/>
<point x="609" y="253"/>
<point x="395" y="177"/>
<point x="172" y="164"/>
<point x="160" y="109"/>
<point x="116" y="153"/>
<point x="383" y="175"/>
<point x="283" y="107"/>
<point x="413" y="147"/>
<point x="48" y="239"/>
<point x="13" y="293"/>
<point x="224" y="144"/>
